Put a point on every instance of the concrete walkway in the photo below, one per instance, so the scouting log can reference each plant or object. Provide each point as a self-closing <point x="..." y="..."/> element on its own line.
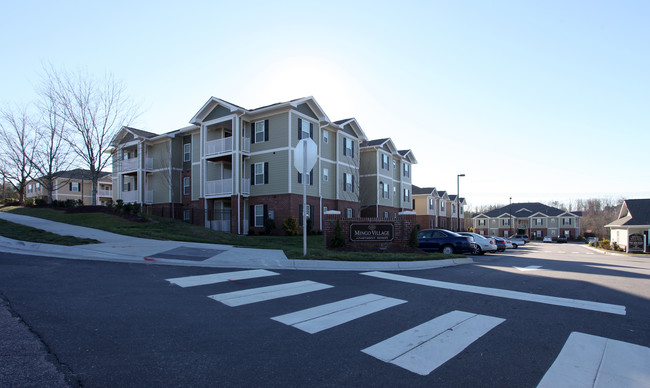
<point x="119" y="248"/>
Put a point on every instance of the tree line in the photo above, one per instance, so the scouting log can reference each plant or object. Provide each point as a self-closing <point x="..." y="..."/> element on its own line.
<point x="70" y="124"/>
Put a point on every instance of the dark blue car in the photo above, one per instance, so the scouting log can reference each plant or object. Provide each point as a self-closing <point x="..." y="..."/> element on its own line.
<point x="445" y="241"/>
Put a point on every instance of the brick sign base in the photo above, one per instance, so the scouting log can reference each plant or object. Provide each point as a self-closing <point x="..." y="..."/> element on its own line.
<point x="368" y="232"/>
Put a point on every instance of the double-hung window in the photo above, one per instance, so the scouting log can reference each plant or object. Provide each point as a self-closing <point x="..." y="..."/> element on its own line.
<point x="186" y="185"/>
<point x="406" y="170"/>
<point x="407" y="195"/>
<point x="348" y="182"/>
<point x="305" y="128"/>
<point x="260" y="131"/>
<point x="259" y="173"/>
<point x="348" y="147"/>
<point x="326" y="175"/>
<point x="385" y="162"/>
<point x="385" y="190"/>
<point x="259" y="215"/>
<point x="325" y="137"/>
<point x="75" y="186"/>
<point x="310" y="178"/>
<point x="187" y="152"/>
<point x="430" y="203"/>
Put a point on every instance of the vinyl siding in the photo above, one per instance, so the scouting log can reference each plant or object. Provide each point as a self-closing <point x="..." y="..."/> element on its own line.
<point x="328" y="189"/>
<point x="369" y="162"/>
<point x="218" y="111"/>
<point x="158" y="182"/>
<point x="160" y="154"/>
<point x="195" y="183"/>
<point x="295" y="129"/>
<point x="328" y="150"/>
<point x="278" y="132"/>
<point x="304" y="109"/>
<point x="278" y="171"/>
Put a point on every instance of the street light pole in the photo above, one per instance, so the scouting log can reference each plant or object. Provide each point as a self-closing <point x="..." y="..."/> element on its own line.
<point x="510" y="226"/>
<point x="458" y="201"/>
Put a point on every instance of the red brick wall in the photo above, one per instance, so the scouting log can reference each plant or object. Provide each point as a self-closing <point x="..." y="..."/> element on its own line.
<point x="402" y="226"/>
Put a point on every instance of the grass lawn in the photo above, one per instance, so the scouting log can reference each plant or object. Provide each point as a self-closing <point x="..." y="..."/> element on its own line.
<point x="169" y="229"/>
<point x="26" y="233"/>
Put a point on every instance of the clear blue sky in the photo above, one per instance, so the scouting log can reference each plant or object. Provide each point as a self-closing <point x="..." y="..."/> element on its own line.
<point x="534" y="100"/>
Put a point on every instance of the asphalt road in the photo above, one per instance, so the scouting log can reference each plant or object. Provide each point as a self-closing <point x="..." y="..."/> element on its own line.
<point x="107" y="324"/>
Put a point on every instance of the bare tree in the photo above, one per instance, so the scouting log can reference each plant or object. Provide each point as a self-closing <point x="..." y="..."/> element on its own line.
<point x="17" y="147"/>
<point x="54" y="153"/>
<point x="95" y="110"/>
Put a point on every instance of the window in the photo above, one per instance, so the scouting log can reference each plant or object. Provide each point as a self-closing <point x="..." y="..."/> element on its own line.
<point x="326" y="175"/>
<point x="539" y="221"/>
<point x="348" y="182"/>
<point x="481" y="222"/>
<point x="407" y="195"/>
<point x="187" y="214"/>
<point x="453" y="208"/>
<point x="325" y="137"/>
<point x="310" y="177"/>
<point x="442" y="206"/>
<point x="38" y="186"/>
<point x="349" y="213"/>
<point x="186" y="185"/>
<point x="566" y="221"/>
<point x="348" y="147"/>
<point x="305" y="129"/>
<point x="30" y="188"/>
<point x="260" y="173"/>
<point x="324" y="209"/>
<point x="386" y="215"/>
<point x="395" y="191"/>
<point x="259" y="215"/>
<point x="75" y="186"/>
<point x="385" y="190"/>
<point x="505" y="222"/>
<point x="187" y="152"/>
<point x="261" y="129"/>
<point x="430" y="203"/>
<point x="406" y="170"/>
<point x="309" y="211"/>
<point x="394" y="164"/>
<point x="385" y="162"/>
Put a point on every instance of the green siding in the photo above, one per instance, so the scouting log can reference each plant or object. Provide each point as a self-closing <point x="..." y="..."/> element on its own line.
<point x="160" y="154"/>
<point x="278" y="133"/>
<point x="196" y="147"/>
<point x="158" y="182"/>
<point x="368" y="190"/>
<point x="348" y="129"/>
<point x="177" y="184"/>
<point x="127" y="138"/>
<point x="369" y="162"/>
<point x="328" y="150"/>
<point x="278" y="171"/>
<point x="304" y="109"/>
<point x="218" y="111"/>
<point x="328" y="189"/>
<point x="195" y="182"/>
<point x="295" y="129"/>
<point x="177" y="153"/>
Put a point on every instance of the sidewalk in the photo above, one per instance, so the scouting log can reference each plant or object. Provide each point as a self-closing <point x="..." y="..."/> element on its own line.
<point x="119" y="248"/>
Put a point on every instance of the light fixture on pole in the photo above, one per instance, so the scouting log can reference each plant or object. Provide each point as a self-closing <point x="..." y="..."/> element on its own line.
<point x="510" y="226"/>
<point x="458" y="201"/>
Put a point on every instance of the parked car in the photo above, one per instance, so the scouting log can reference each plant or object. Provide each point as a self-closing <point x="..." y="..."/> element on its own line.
<point x="521" y="237"/>
<point x="509" y="244"/>
<point x="517" y="241"/>
<point x="561" y="239"/>
<point x="547" y="239"/>
<point x="592" y="240"/>
<point x="445" y="241"/>
<point x="501" y="243"/>
<point x="483" y="244"/>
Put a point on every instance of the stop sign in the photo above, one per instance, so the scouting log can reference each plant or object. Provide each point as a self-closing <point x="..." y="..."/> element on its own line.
<point x="305" y="146"/>
<point x="588" y="230"/>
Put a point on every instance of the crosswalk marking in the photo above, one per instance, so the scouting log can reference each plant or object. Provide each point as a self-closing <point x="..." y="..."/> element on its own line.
<point x="591" y="361"/>
<point x="260" y="294"/>
<point x="323" y="317"/>
<point x="200" y="280"/>
<point x="553" y="300"/>
<point x="424" y="348"/>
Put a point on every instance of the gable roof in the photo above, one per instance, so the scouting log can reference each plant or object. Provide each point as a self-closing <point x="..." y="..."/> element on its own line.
<point x="634" y="212"/>
<point x="408" y="155"/>
<point x="527" y="209"/>
<point x="424" y="190"/>
<point x="78" y="173"/>
<point x="380" y="143"/>
<point x="137" y="133"/>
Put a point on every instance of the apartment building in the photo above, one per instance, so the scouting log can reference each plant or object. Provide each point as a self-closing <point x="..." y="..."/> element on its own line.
<point x="531" y="218"/>
<point x="74" y="185"/>
<point x="386" y="174"/>
<point x="437" y="209"/>
<point x="232" y="168"/>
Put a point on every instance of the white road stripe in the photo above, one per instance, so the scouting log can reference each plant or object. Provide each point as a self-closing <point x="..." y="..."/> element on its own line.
<point x="323" y="317"/>
<point x="260" y="294"/>
<point x="424" y="348"/>
<point x="200" y="280"/>
<point x="553" y="300"/>
<point x="591" y="361"/>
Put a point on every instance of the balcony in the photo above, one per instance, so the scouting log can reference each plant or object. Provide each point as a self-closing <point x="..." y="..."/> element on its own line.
<point x="129" y="196"/>
<point x="225" y="146"/>
<point x="224" y="187"/>
<point x="106" y="193"/>
<point x="128" y="165"/>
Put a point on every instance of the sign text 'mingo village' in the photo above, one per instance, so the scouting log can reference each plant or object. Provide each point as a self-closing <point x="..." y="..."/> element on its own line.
<point x="371" y="232"/>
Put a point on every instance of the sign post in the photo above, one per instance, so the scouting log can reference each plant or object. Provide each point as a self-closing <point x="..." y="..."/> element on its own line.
<point x="304" y="158"/>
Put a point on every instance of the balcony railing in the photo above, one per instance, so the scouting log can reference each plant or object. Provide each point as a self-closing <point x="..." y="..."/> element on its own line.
<point x="224" y="187"/>
<point x="218" y="187"/>
<point x="130" y="196"/>
<point x="128" y="164"/>
<point x="225" y="145"/>
<point x="106" y="193"/>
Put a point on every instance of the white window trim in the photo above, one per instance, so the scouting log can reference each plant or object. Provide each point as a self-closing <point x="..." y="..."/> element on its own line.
<point x="258" y="125"/>
<point x="256" y="215"/>
<point x="188" y="186"/>
<point x="187" y="151"/>
<point x="258" y="174"/>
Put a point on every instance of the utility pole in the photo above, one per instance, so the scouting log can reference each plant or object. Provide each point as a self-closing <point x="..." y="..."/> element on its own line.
<point x="458" y="201"/>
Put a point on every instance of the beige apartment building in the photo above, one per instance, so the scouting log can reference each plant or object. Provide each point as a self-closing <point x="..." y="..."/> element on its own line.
<point x="74" y="185"/>
<point x="437" y="209"/>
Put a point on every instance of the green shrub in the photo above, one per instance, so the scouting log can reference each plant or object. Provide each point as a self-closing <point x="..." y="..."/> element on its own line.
<point x="69" y="203"/>
<point x="604" y="243"/>
<point x="55" y="203"/>
<point x="110" y="204"/>
<point x="29" y="202"/>
<point x="310" y="225"/>
<point x="135" y="208"/>
<point x="290" y="226"/>
<point x="269" y="225"/>
<point x="40" y="202"/>
<point x="413" y="237"/>
<point x="119" y="205"/>
<point x="337" y="240"/>
<point x="126" y="209"/>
